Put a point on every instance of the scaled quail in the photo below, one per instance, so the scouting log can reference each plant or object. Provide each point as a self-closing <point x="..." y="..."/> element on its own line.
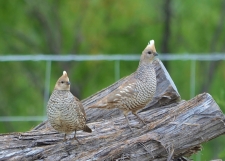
<point x="137" y="90"/>
<point x="65" y="112"/>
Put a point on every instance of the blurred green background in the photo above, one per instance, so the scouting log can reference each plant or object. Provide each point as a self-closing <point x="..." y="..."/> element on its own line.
<point x="62" y="27"/>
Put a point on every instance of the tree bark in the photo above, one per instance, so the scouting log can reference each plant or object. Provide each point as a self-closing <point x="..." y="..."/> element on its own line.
<point x="174" y="128"/>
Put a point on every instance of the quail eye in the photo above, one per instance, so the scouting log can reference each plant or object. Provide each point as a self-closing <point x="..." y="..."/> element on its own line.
<point x="149" y="52"/>
<point x="62" y="81"/>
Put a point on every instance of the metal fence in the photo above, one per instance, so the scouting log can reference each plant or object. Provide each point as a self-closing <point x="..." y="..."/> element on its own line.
<point x="116" y="58"/>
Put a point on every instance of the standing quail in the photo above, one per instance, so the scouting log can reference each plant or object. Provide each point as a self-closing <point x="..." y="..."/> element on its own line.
<point x="65" y="112"/>
<point x="137" y="90"/>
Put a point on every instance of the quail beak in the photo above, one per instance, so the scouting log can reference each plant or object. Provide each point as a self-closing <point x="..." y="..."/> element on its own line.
<point x="68" y="83"/>
<point x="155" y="54"/>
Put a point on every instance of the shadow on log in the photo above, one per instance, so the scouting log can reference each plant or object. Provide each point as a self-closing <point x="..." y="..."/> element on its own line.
<point x="174" y="129"/>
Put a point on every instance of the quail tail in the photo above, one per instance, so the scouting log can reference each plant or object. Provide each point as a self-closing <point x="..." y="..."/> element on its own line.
<point x="87" y="129"/>
<point x="101" y="104"/>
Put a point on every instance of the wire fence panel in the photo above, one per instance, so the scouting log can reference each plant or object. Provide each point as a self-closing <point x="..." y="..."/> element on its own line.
<point x="117" y="58"/>
<point x="130" y="57"/>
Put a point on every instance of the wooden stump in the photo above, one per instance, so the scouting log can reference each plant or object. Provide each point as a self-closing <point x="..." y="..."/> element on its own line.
<point x="174" y="128"/>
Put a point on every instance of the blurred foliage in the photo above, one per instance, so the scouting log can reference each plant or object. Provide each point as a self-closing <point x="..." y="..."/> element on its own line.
<point x="109" y="27"/>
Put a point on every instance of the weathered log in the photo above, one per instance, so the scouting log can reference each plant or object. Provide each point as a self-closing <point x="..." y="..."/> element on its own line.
<point x="174" y="130"/>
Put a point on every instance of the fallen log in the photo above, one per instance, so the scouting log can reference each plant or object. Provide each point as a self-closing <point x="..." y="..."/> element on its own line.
<point x="174" y="128"/>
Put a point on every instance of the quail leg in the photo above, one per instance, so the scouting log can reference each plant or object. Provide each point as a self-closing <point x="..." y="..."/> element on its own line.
<point x="134" y="113"/>
<point x="128" y="123"/>
<point x="125" y="115"/>
<point x="75" y="138"/>
<point x="64" y="137"/>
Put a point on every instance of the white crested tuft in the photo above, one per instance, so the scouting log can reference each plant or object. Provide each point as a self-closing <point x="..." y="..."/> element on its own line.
<point x="151" y="42"/>
<point x="64" y="73"/>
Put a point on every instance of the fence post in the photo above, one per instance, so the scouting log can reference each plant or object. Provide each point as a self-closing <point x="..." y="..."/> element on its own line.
<point x="192" y="79"/>
<point x="117" y="70"/>
<point x="47" y="85"/>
